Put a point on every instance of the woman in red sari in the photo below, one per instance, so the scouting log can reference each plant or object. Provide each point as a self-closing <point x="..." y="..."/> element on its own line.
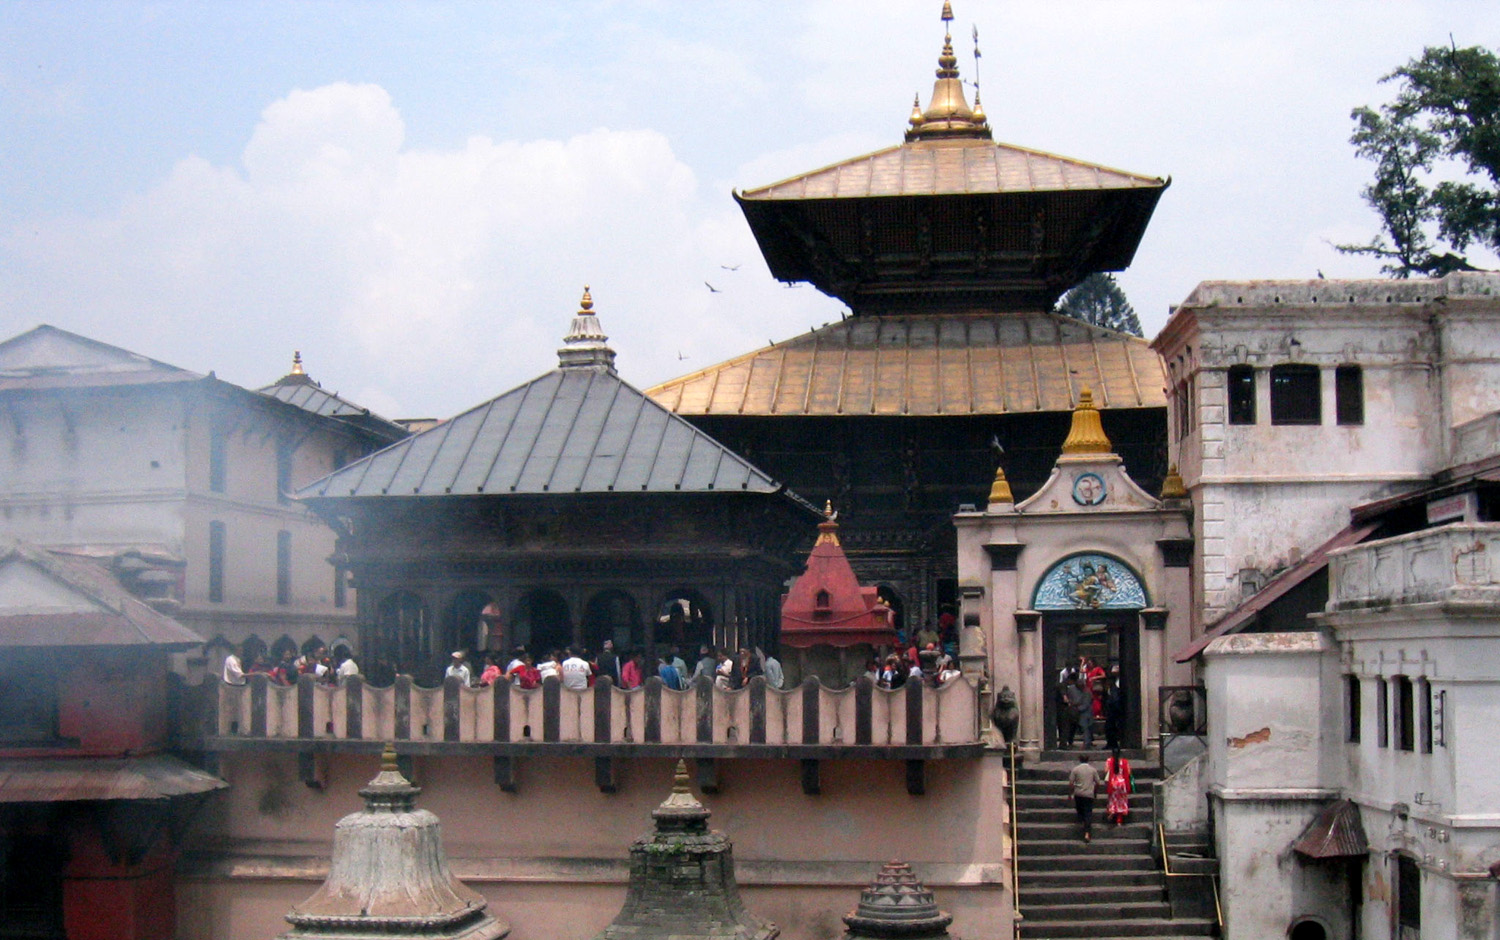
<point x="1117" y="785"/>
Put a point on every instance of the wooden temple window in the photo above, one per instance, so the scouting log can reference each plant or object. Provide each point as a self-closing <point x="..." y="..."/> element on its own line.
<point x="1349" y="395"/>
<point x="1242" y="394"/>
<point x="1296" y="395"/>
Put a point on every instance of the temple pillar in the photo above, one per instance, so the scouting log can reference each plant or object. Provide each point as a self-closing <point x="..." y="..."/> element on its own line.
<point x="1031" y="679"/>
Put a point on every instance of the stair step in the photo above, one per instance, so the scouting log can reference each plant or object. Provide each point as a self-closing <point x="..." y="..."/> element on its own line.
<point x="1043" y="848"/>
<point x="1073" y="882"/>
<point x="1147" y="927"/>
<point x="1093" y="862"/>
<point x="1104" y="910"/>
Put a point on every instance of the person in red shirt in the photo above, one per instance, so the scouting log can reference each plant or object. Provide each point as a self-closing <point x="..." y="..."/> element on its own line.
<point x="631" y="672"/>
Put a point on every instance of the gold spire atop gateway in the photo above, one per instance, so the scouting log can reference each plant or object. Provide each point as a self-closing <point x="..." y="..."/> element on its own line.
<point x="1171" y="487"/>
<point x="1086" y="436"/>
<point x="297" y="363"/>
<point x="948" y="114"/>
<point x="1000" y="489"/>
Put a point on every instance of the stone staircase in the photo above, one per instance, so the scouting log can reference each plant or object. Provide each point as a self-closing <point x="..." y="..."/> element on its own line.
<point x="1111" y="888"/>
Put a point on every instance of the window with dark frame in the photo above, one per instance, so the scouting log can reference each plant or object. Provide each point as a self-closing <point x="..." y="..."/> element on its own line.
<point x="284" y="452"/>
<point x="1241" y="394"/>
<point x="1406" y="719"/>
<point x="218" y="458"/>
<point x="1352" y="708"/>
<point x="283" y="567"/>
<point x="216" y="539"/>
<point x="1408" y="896"/>
<point x="1349" y="395"/>
<point x="1296" y="395"/>
<point x="1382" y="713"/>
<point x="1424" y="699"/>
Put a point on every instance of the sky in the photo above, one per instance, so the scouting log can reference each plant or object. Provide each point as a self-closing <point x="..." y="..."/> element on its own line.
<point x="415" y="194"/>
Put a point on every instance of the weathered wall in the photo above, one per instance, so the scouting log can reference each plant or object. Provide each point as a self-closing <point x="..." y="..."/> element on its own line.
<point x="552" y="855"/>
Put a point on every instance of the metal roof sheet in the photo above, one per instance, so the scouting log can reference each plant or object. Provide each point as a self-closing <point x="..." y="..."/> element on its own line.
<point x="951" y="167"/>
<point x="569" y="431"/>
<point x="1336" y="832"/>
<point x="62" y="780"/>
<point x="946" y="364"/>
<point x="312" y="398"/>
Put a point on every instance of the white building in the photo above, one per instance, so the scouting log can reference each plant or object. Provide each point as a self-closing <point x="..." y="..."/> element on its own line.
<point x="180" y="483"/>
<point x="1339" y="443"/>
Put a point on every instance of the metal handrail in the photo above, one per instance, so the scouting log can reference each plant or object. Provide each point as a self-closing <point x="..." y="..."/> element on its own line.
<point x="1015" y="849"/>
<point x="1166" y="867"/>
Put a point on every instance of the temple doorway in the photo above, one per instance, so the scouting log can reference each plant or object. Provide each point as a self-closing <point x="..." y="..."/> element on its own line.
<point x="685" y="621"/>
<point x="612" y="615"/>
<point x="1109" y="639"/>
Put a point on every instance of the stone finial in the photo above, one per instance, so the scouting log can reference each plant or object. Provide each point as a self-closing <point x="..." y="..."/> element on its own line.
<point x="897" y="905"/>
<point x="1171" y="487"/>
<point x="585" y="346"/>
<point x="1086" y="435"/>
<point x="389" y="875"/>
<point x="1000" y="489"/>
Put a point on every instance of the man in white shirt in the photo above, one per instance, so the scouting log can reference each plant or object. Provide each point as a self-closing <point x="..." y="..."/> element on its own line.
<point x="575" y="672"/>
<point x="234" y="670"/>
<point x="459" y="669"/>
<point x="771" y="667"/>
<point x="347" y="667"/>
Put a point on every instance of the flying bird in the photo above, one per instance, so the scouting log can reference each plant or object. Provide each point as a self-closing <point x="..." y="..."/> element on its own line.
<point x="1320" y="274"/>
<point x="680" y="356"/>
<point x="712" y="288"/>
<point x="727" y="267"/>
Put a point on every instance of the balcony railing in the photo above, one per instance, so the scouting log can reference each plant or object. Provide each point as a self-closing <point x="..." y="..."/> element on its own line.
<point x="1457" y="563"/>
<point x="914" y="722"/>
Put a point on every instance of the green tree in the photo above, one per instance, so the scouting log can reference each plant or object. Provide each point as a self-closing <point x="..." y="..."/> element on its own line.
<point x="1446" y="114"/>
<point x="1097" y="299"/>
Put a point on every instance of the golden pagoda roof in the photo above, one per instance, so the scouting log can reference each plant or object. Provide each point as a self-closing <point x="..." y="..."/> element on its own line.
<point x="958" y="166"/>
<point x="965" y="364"/>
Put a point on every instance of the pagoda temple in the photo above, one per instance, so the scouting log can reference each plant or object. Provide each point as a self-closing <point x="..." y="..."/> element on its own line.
<point x="950" y="250"/>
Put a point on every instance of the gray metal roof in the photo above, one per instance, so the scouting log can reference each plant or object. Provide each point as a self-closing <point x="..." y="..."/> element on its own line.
<point x="301" y="392"/>
<point x="569" y="431"/>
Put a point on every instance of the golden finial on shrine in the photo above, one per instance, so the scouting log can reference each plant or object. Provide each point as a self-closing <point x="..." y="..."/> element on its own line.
<point x="1086" y="436"/>
<point x="297" y="363"/>
<point x="1171" y="487"/>
<point x="1000" y="489"/>
<point x="388" y="758"/>
<point x="587" y="303"/>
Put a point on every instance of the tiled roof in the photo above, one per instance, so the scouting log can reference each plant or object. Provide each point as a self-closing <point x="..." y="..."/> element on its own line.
<point x="50" y="600"/>
<point x="928" y="365"/>
<point x="569" y="431"/>
<point x="951" y="167"/>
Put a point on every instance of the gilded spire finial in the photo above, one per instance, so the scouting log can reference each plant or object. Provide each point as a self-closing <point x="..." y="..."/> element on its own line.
<point x="585" y="346"/>
<point x="1086" y="435"/>
<point x="828" y="509"/>
<point x="388" y="758"/>
<point x="948" y="113"/>
<point x="1172" y="487"/>
<point x="587" y="303"/>
<point x="916" y="118"/>
<point x="1000" y="489"/>
<point x="297" y="362"/>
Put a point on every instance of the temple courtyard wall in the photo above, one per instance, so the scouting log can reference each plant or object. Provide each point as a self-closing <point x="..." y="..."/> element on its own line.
<point x="552" y="856"/>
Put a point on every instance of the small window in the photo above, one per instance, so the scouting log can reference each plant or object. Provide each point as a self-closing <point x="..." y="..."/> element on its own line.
<point x="1382" y="713"/>
<point x="283" y="567"/>
<point x="1424" y="725"/>
<point x="1352" y="708"/>
<point x="340" y="588"/>
<point x="218" y="458"/>
<point x="1296" y="395"/>
<point x="216" y="539"/>
<point x="284" y="453"/>
<point x="1241" y="394"/>
<point x="1406" y="724"/>
<point x="1349" y="394"/>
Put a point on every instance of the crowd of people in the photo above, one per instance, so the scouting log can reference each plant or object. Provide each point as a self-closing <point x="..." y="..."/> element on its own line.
<point x="326" y="668"/>
<point x="1088" y="697"/>
<point x="578" y="668"/>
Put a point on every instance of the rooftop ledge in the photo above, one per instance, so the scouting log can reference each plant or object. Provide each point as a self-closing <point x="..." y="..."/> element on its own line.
<point x="1453" y="564"/>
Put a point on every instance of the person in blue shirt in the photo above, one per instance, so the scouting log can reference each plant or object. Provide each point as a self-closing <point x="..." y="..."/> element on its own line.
<point x="670" y="677"/>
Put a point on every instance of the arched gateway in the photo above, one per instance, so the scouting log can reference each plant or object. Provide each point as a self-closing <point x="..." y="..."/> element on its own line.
<point x="1089" y="566"/>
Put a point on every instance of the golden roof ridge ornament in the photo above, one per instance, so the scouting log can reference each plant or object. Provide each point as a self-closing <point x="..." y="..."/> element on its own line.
<point x="828" y="529"/>
<point x="297" y="362"/>
<point x="1000" y="493"/>
<point x="948" y="114"/>
<point x="1171" y="486"/>
<point x="1086" y="435"/>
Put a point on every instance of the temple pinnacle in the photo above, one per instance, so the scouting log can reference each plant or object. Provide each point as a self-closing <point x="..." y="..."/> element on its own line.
<point x="297" y="363"/>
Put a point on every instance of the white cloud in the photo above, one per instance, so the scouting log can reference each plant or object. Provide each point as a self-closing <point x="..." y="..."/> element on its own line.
<point x="427" y="279"/>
